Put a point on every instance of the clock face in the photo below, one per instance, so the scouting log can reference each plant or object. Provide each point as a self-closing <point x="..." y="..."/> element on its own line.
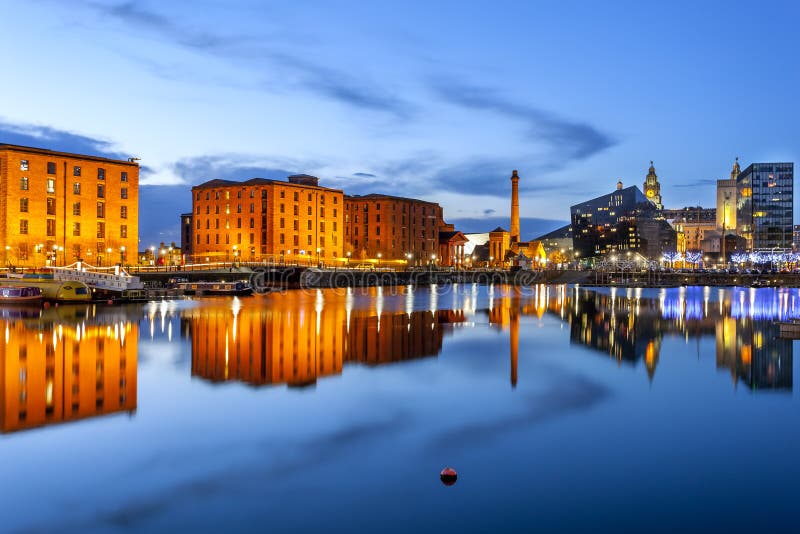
<point x="650" y="193"/>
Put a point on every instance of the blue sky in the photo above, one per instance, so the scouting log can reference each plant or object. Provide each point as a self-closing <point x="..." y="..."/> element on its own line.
<point x="436" y="99"/>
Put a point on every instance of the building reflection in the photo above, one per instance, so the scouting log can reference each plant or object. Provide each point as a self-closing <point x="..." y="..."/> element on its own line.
<point x="630" y="328"/>
<point x="295" y="340"/>
<point x="65" y="364"/>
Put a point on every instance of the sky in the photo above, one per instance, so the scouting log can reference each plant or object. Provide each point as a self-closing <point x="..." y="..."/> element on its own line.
<point x="438" y="100"/>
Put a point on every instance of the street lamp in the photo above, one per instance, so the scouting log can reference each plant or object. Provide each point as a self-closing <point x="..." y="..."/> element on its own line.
<point x="153" y="255"/>
<point x="122" y="254"/>
<point x="379" y="260"/>
<point x="318" y="251"/>
<point x="348" y="258"/>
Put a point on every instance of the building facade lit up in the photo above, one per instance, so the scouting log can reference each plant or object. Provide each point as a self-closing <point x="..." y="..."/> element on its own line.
<point x="765" y="205"/>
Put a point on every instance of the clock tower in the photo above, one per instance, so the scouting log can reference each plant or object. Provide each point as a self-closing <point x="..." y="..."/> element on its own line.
<point x="652" y="189"/>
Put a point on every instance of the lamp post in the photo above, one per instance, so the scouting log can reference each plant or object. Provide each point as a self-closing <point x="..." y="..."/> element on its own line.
<point x="153" y="255"/>
<point x="122" y="254"/>
<point x="54" y="256"/>
<point x="433" y="261"/>
<point x="8" y="260"/>
<point x="318" y="263"/>
<point x="348" y="258"/>
<point x="379" y="260"/>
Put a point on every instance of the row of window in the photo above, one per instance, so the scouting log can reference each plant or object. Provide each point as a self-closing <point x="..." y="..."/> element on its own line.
<point x="281" y="239"/>
<point x="24" y="165"/>
<point x="76" y="208"/>
<point x="282" y="194"/>
<point x="50" y="187"/>
<point x="76" y="229"/>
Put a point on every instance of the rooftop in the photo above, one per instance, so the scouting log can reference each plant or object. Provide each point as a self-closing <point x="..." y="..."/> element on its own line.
<point x="219" y="183"/>
<point x="55" y="153"/>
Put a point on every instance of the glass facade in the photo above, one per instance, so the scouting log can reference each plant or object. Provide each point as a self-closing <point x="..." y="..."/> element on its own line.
<point x="622" y="220"/>
<point x="765" y="204"/>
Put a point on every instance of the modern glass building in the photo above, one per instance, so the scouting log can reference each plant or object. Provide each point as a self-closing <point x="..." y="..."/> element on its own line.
<point x="765" y="204"/>
<point x="624" y="220"/>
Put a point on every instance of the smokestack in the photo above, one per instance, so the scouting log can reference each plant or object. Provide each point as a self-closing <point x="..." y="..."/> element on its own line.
<point x="514" y="207"/>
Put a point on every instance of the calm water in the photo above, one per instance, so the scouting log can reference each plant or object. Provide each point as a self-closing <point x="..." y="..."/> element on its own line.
<point x="560" y="407"/>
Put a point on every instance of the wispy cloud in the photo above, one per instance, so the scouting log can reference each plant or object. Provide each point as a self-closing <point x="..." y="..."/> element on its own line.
<point x="55" y="139"/>
<point x="260" y="54"/>
<point x="568" y="139"/>
<point x="701" y="182"/>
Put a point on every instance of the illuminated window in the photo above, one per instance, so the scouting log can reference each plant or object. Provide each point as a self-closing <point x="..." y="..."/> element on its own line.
<point x="23" y="226"/>
<point x="101" y="230"/>
<point x="23" y="183"/>
<point x="76" y="229"/>
<point x="23" y="205"/>
<point x="101" y="191"/>
<point x="51" y="227"/>
<point x="101" y="210"/>
<point x="76" y="188"/>
<point x="76" y="171"/>
<point x="51" y="185"/>
<point x="23" y="164"/>
<point x="51" y="206"/>
<point x="123" y="230"/>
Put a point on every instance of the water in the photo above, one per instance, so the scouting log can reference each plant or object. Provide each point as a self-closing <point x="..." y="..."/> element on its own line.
<point x="560" y="408"/>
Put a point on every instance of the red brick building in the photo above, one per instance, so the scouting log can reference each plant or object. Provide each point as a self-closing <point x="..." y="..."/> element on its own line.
<point x="57" y="207"/>
<point x="270" y="220"/>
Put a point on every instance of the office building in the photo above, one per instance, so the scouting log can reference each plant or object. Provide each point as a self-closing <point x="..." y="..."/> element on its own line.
<point x="57" y="208"/>
<point x="765" y="204"/>
<point x="624" y="220"/>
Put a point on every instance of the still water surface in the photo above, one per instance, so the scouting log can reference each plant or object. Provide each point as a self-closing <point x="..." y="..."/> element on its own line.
<point x="560" y="407"/>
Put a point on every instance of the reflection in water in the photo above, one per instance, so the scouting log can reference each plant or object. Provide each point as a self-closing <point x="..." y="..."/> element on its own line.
<point x="295" y="340"/>
<point x="631" y="328"/>
<point x="65" y="364"/>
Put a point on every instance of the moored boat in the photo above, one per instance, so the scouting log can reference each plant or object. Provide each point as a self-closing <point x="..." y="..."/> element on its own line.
<point x="53" y="290"/>
<point x="215" y="288"/>
<point x="12" y="294"/>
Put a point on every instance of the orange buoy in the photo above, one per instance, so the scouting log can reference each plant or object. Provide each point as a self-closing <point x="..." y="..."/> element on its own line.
<point x="448" y="476"/>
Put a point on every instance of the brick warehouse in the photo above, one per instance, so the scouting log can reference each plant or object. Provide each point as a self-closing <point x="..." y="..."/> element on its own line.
<point x="57" y="207"/>
<point x="260" y="219"/>
<point x="394" y="227"/>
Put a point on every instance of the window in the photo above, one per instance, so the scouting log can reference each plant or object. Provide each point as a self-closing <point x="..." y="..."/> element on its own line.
<point x="252" y="223"/>
<point x="123" y="193"/>
<point x="321" y="241"/>
<point x="51" y="206"/>
<point x="238" y="208"/>
<point x="216" y="210"/>
<point x="322" y="226"/>
<point x="283" y="223"/>
<point x="51" y="167"/>
<point x="76" y="171"/>
<point x="308" y="239"/>
<point x="101" y="230"/>
<point x="296" y="210"/>
<point x="123" y="230"/>
<point x="23" y="205"/>
<point x="101" y="191"/>
<point x="76" y="229"/>
<point x="309" y="211"/>
<point x="322" y="199"/>
<point x="23" y="164"/>
<point x="216" y="195"/>
<point x="296" y="196"/>
<point x="322" y="212"/>
<point x="123" y="212"/>
<point x="334" y="226"/>
<point x="76" y="208"/>
<point x="101" y="174"/>
<point x="281" y="210"/>
<point x="51" y="227"/>
<point x="252" y="208"/>
<point x="282" y="239"/>
<point x="238" y="222"/>
<point x="309" y="197"/>
<point x="264" y="194"/>
<point x="51" y="185"/>
<point x="283" y="193"/>
<point x="296" y="225"/>
<point x="124" y="178"/>
<point x="23" y="226"/>
<point x="308" y="226"/>
<point x="76" y="251"/>
<point x="23" y="183"/>
<point x="76" y="188"/>
<point x="227" y="195"/>
<point x="101" y="210"/>
<point x="334" y="213"/>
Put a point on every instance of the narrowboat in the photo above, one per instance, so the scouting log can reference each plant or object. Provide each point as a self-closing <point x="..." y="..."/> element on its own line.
<point x="215" y="288"/>
<point x="10" y="294"/>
